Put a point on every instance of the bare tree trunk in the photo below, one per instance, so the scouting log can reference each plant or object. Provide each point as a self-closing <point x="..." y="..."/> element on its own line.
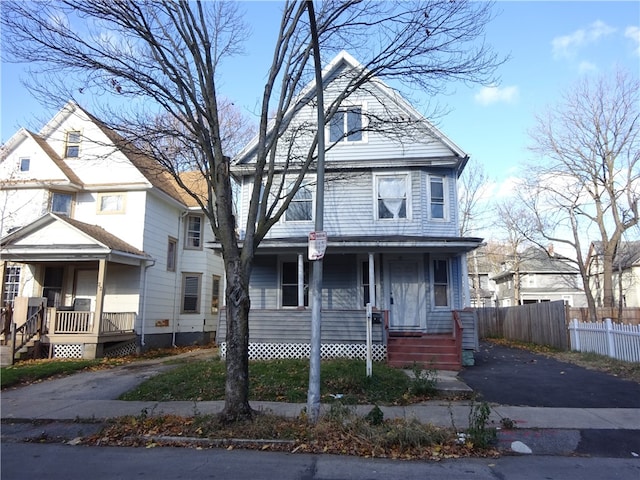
<point x="236" y="405"/>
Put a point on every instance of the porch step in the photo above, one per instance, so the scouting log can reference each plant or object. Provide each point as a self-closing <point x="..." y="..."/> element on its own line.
<point x="438" y="352"/>
<point x="5" y="355"/>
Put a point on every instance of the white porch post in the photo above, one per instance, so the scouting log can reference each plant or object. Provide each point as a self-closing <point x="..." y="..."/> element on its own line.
<point x="372" y="281"/>
<point x="97" y="315"/>
<point x="300" y="281"/>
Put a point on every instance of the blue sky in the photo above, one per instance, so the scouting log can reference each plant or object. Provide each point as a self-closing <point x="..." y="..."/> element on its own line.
<point x="550" y="44"/>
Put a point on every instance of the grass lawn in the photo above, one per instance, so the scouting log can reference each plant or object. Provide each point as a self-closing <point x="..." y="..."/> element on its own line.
<point x="287" y="381"/>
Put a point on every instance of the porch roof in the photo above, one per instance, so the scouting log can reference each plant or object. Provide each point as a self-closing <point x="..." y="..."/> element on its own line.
<point x="386" y="244"/>
<point x="59" y="238"/>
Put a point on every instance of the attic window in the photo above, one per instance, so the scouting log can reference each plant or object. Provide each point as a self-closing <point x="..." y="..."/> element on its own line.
<point x="346" y="125"/>
<point x="25" y="164"/>
<point x="72" y="149"/>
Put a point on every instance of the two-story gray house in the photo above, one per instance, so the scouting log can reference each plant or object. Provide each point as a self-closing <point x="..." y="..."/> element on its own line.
<point x="391" y="218"/>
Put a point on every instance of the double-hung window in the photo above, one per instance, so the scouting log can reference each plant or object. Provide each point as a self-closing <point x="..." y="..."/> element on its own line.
<point x="193" y="232"/>
<point x="392" y="196"/>
<point x="172" y="254"/>
<point x="436" y="197"/>
<point x="440" y="283"/>
<point x="61" y="203"/>
<point x="290" y="281"/>
<point x="111" y="203"/>
<point x="72" y="148"/>
<point x="11" y="285"/>
<point x="191" y="292"/>
<point x="301" y="207"/>
<point x="346" y="125"/>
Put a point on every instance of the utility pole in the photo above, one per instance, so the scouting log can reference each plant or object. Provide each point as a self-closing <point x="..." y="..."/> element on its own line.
<point x="313" y="395"/>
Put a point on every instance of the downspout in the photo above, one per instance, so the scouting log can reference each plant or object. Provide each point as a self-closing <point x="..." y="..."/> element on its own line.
<point x="175" y="290"/>
<point x="148" y="263"/>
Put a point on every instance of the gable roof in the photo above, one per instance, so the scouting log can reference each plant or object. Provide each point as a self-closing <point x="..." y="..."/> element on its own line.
<point x="627" y="256"/>
<point x="23" y="133"/>
<point x="344" y="61"/>
<point x="84" y="237"/>
<point x="535" y="260"/>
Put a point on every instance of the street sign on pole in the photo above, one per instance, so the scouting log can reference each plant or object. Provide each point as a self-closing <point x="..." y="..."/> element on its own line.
<point x="317" y="245"/>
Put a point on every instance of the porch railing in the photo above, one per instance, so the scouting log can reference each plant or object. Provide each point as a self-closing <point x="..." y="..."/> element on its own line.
<point x="69" y="322"/>
<point x="117" y="322"/>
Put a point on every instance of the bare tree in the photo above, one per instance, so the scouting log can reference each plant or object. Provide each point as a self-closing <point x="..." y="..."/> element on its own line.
<point x="588" y="184"/>
<point x="472" y="205"/>
<point x="166" y="56"/>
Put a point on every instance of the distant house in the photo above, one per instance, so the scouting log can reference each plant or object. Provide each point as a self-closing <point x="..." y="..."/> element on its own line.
<point x="482" y="286"/>
<point x="536" y="275"/>
<point x="106" y="238"/>
<point x="626" y="273"/>
<point x="391" y="217"/>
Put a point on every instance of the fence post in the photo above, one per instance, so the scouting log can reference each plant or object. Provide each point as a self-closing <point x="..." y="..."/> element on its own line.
<point x="611" y="347"/>
<point x="574" y="337"/>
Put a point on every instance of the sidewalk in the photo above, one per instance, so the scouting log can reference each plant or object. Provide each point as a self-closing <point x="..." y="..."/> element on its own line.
<point x="86" y="398"/>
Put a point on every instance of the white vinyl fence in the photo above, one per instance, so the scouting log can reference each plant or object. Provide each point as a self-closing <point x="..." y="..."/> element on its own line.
<point x="606" y="338"/>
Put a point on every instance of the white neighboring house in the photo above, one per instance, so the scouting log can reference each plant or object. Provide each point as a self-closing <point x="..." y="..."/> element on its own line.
<point x="626" y="273"/>
<point x="118" y="251"/>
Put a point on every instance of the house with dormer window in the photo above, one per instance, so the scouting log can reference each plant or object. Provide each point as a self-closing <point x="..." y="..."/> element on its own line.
<point x="105" y="240"/>
<point x="391" y="219"/>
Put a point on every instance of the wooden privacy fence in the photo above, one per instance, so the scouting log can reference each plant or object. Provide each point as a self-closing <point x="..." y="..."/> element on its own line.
<point x="627" y="315"/>
<point x="541" y="323"/>
<point x="606" y="338"/>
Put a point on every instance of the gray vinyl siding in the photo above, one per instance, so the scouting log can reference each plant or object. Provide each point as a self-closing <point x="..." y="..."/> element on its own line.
<point x="264" y="284"/>
<point x="340" y="282"/>
<point x="294" y="326"/>
<point x="349" y="207"/>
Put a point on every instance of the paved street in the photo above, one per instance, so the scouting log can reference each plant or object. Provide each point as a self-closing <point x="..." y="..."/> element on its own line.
<point x="62" y="462"/>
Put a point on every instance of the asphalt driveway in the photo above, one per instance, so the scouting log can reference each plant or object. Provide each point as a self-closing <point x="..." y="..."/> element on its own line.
<point x="511" y="376"/>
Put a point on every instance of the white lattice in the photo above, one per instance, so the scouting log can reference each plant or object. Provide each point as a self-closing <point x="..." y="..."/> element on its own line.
<point x="121" y="350"/>
<point x="67" y="351"/>
<point x="268" y="351"/>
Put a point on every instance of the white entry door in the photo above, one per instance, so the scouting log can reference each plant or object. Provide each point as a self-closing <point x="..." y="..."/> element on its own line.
<point x="86" y="286"/>
<point x="407" y="296"/>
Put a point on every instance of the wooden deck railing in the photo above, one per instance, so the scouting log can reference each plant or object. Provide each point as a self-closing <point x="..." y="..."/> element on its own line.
<point x="66" y="322"/>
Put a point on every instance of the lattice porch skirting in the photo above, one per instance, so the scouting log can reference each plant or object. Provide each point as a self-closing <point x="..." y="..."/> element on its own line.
<point x="269" y="351"/>
<point x="68" y="351"/>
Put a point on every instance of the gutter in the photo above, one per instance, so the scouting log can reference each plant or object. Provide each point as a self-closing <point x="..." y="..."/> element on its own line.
<point x="148" y="264"/>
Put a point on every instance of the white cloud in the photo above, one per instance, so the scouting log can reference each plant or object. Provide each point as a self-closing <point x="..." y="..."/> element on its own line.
<point x="586" y="67"/>
<point x="634" y="34"/>
<point x="566" y="46"/>
<point x="494" y="94"/>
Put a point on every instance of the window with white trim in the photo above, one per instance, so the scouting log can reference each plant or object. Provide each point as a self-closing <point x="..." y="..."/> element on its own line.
<point x="392" y="196"/>
<point x="215" y="294"/>
<point x="72" y="147"/>
<point x="111" y="203"/>
<point x="61" y="203"/>
<point x="25" y="164"/>
<point x="289" y="284"/>
<point x="191" y="292"/>
<point x="436" y="197"/>
<point x="11" y="285"/>
<point x="172" y="254"/>
<point x="301" y="207"/>
<point x="193" y="232"/>
<point x="440" y="282"/>
<point x="346" y="125"/>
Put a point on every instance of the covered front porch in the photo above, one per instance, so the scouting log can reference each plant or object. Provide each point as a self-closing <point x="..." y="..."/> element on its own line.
<point x="85" y="285"/>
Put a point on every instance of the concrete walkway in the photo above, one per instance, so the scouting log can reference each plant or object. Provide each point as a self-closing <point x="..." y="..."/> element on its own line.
<point x="88" y="397"/>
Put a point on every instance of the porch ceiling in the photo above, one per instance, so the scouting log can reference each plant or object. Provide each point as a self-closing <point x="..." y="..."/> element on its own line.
<point x="384" y="244"/>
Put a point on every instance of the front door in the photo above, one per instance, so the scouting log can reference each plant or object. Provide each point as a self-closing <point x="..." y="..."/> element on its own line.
<point x="407" y="296"/>
<point x="86" y="287"/>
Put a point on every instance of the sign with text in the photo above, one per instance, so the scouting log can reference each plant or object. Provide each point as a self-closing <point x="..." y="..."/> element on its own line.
<point x="317" y="245"/>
